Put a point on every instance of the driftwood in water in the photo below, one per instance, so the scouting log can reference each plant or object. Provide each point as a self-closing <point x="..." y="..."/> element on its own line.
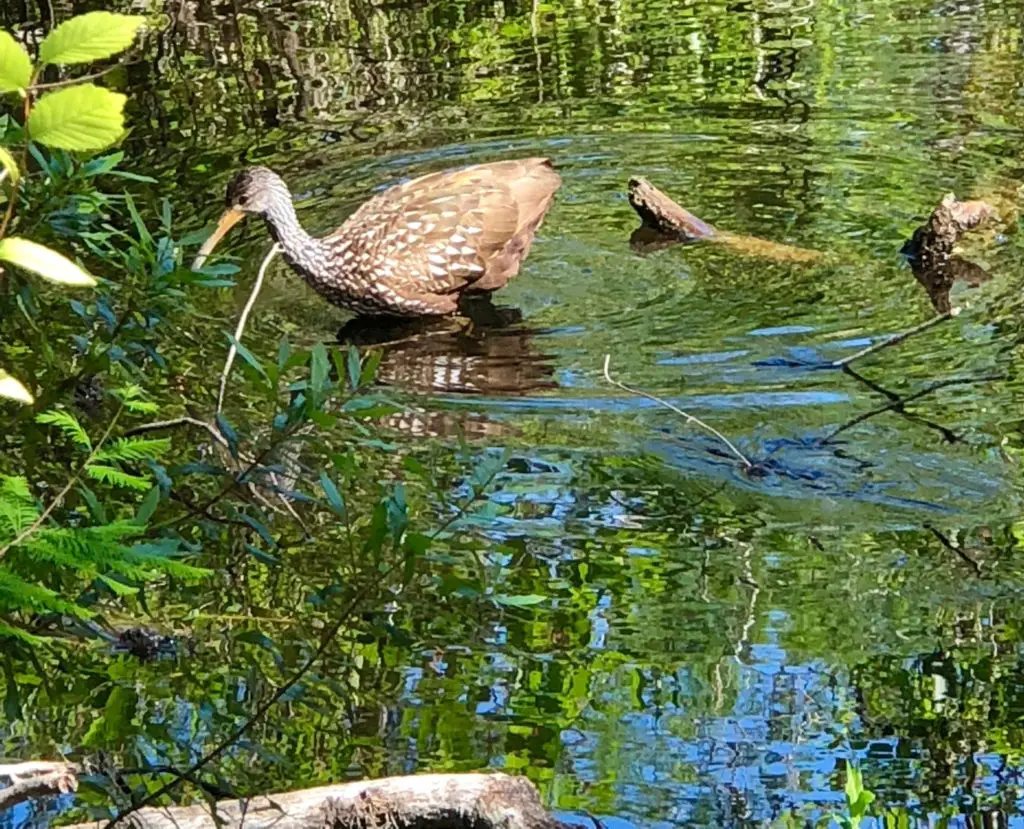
<point x="427" y="801"/>
<point x="930" y="249"/>
<point x="666" y="223"/>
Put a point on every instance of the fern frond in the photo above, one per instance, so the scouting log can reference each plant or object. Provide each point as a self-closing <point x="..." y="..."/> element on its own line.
<point x="162" y="556"/>
<point x="134" y="449"/>
<point x="68" y="424"/>
<point x="117" y="477"/>
<point x="9" y="632"/>
<point x="132" y="398"/>
<point x="17" y="506"/>
<point x="18" y="594"/>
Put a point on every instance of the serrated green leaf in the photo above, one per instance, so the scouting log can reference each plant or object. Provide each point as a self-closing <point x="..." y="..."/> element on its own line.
<point x="12" y="389"/>
<point x="43" y="262"/>
<point x="85" y="117"/>
<point x="9" y="164"/>
<point x="89" y="37"/>
<point x="15" y="64"/>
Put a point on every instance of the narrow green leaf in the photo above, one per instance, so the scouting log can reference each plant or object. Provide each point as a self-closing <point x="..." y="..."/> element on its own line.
<point x="85" y="117"/>
<point x="15" y="64"/>
<point x="249" y="357"/>
<point x="12" y="389"/>
<point x="333" y="495"/>
<point x="9" y="164"/>
<point x="519" y="601"/>
<point x="44" y="262"/>
<point x="117" y="587"/>
<point x="354" y="367"/>
<point x="320" y="368"/>
<point x="148" y="506"/>
<point x="89" y="37"/>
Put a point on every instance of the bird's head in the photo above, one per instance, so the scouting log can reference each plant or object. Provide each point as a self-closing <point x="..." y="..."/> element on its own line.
<point x="254" y="191"/>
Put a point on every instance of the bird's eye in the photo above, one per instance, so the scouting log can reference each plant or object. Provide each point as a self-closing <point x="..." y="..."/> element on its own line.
<point x="243" y="200"/>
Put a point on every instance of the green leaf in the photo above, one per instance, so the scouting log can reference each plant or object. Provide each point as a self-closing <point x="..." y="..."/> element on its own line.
<point x="354" y="367"/>
<point x="118" y="588"/>
<point x="520" y="601"/>
<point x="9" y="164"/>
<point x="12" y="389"/>
<point x="148" y="506"/>
<point x="320" y="368"/>
<point x="68" y="424"/>
<point x="15" y="64"/>
<point x="333" y="495"/>
<point x="117" y="477"/>
<point x="89" y="37"/>
<point x="44" y="262"/>
<point x="85" y="117"/>
<point x="249" y="357"/>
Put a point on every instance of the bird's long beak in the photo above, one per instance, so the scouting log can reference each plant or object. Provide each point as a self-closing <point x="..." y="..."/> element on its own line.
<point x="228" y="220"/>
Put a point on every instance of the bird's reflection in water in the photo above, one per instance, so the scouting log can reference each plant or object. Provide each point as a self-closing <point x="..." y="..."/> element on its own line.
<point x="486" y="352"/>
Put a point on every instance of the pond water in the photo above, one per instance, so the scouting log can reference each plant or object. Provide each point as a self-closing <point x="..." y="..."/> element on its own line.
<point x="701" y="646"/>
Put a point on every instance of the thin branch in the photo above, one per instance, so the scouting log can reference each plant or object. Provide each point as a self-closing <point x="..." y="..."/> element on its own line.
<point x="901" y="402"/>
<point x="954" y="548"/>
<point x="240" y="328"/>
<point x="159" y="425"/>
<point x="59" y="498"/>
<point x="896" y="339"/>
<point x="69" y="81"/>
<point x="689" y="417"/>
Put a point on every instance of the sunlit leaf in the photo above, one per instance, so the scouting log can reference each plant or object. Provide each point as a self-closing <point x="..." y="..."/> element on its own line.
<point x="10" y="165"/>
<point x="89" y="37"/>
<point x="68" y="424"/>
<point x="44" y="262"/>
<point x="15" y="64"/>
<point x="12" y="389"/>
<point x="520" y="601"/>
<point x="85" y="117"/>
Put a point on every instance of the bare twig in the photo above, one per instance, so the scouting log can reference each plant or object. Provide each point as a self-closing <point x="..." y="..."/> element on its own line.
<point x="160" y="425"/>
<point x="68" y="81"/>
<point x="899" y="403"/>
<point x="59" y="497"/>
<point x="896" y="339"/>
<point x="664" y="403"/>
<point x="240" y="328"/>
<point x="954" y="548"/>
<point x="36" y="779"/>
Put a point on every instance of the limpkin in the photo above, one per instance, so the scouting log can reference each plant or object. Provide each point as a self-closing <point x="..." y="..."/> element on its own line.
<point x="414" y="249"/>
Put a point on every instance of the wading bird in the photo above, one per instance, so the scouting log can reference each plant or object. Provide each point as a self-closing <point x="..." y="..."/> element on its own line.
<point x="414" y="249"/>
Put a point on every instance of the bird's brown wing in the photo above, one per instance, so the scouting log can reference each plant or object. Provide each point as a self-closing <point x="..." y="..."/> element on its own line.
<point x="445" y="232"/>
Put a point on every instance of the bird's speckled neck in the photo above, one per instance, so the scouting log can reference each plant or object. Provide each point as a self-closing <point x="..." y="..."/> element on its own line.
<point x="305" y="252"/>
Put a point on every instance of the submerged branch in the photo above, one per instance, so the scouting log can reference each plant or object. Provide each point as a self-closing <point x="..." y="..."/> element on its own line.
<point x="902" y="401"/>
<point x="672" y="408"/>
<point x="896" y="339"/>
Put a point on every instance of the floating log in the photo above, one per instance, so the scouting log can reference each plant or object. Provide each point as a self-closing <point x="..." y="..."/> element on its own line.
<point x="664" y="223"/>
<point x="426" y="801"/>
